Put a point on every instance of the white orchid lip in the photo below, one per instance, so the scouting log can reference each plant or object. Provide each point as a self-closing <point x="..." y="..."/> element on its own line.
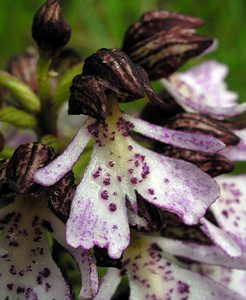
<point x="118" y="168"/>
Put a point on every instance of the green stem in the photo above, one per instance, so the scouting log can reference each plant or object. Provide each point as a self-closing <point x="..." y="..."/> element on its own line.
<point x="43" y="78"/>
<point x="48" y="115"/>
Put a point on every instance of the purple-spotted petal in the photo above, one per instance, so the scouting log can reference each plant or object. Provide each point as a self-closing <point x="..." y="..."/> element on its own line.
<point x="27" y="268"/>
<point x="109" y="284"/>
<point x="221" y="238"/>
<point x="199" y="253"/>
<point x="202" y="90"/>
<point x="191" y="141"/>
<point x="152" y="275"/>
<point x="54" y="171"/>
<point x="98" y="214"/>
<point x="230" y="209"/>
<point x="173" y="185"/>
<point x="238" y="152"/>
<point x="85" y="261"/>
<point x="233" y="279"/>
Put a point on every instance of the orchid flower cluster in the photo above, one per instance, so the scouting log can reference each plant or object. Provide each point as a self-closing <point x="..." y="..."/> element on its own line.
<point x="136" y="202"/>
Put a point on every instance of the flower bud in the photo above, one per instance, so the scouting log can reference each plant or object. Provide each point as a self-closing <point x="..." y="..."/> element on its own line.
<point x="24" y="66"/>
<point x="214" y="165"/>
<point x="87" y="97"/>
<point x="115" y="71"/>
<point x="163" y="41"/>
<point x="200" y="124"/>
<point x="50" y="30"/>
<point x="61" y="195"/>
<point x="26" y="160"/>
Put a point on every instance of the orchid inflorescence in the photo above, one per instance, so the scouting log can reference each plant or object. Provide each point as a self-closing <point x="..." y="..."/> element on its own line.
<point x="141" y="194"/>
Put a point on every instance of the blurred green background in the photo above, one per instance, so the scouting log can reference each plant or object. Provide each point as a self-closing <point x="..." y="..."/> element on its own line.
<point x="102" y="23"/>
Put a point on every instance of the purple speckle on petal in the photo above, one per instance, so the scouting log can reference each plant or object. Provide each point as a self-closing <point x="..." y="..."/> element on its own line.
<point x="104" y="195"/>
<point x="183" y="287"/>
<point x="106" y="181"/>
<point x="112" y="207"/>
<point x="166" y="180"/>
<point x="130" y="147"/>
<point x="111" y="163"/>
<point x="134" y="180"/>
<point x="151" y="191"/>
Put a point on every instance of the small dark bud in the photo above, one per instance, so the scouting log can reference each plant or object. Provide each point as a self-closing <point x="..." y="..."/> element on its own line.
<point x="87" y="97"/>
<point x="116" y="72"/>
<point x="233" y="125"/>
<point x="213" y="165"/>
<point x="192" y="122"/>
<point x="49" y="29"/>
<point x="61" y="195"/>
<point x="24" y="66"/>
<point x="103" y="259"/>
<point x="26" y="160"/>
<point x="163" y="41"/>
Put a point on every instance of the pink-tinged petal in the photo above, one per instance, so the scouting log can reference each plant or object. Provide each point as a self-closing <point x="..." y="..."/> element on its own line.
<point x="98" y="214"/>
<point x="192" y="141"/>
<point x="109" y="284"/>
<point x="171" y="184"/>
<point x="202" y="90"/>
<point x="199" y="253"/>
<point x="54" y="171"/>
<point x="230" y="209"/>
<point x="233" y="279"/>
<point x="238" y="152"/>
<point x="153" y="275"/>
<point x="221" y="238"/>
<point x="85" y="261"/>
<point x="27" y="268"/>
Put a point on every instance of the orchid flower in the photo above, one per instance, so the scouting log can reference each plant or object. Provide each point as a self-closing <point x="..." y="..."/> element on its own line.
<point x="202" y="89"/>
<point x="155" y="267"/>
<point x="155" y="270"/>
<point x="27" y="267"/>
<point x="119" y="167"/>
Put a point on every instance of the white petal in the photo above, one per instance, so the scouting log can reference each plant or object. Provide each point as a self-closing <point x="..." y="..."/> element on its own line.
<point x="173" y="185"/>
<point x="230" y="278"/>
<point x="191" y="141"/>
<point x="152" y="275"/>
<point x="27" y="268"/>
<point x="98" y="214"/>
<point x="221" y="238"/>
<point x="54" y="171"/>
<point x="200" y="253"/>
<point x="85" y="261"/>
<point x="202" y="90"/>
<point x="109" y="284"/>
<point x="230" y="209"/>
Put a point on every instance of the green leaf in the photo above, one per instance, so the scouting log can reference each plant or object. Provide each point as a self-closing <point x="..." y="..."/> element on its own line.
<point x="61" y="94"/>
<point x="24" y="95"/>
<point x="17" y="117"/>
